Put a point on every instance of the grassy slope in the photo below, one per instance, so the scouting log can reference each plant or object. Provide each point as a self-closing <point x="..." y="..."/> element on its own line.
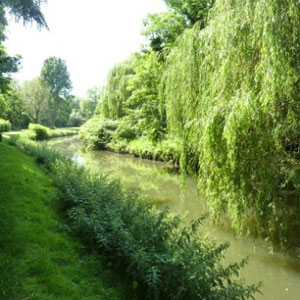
<point x="38" y="259"/>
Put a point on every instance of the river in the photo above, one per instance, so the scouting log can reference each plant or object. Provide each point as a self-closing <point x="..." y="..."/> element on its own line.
<point x="279" y="272"/>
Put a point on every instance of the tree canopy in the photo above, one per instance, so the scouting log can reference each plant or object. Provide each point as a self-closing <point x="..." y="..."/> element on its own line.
<point x="162" y="29"/>
<point x="228" y="91"/>
<point x="26" y="10"/>
<point x="192" y="10"/>
<point x="35" y="97"/>
<point x="56" y="77"/>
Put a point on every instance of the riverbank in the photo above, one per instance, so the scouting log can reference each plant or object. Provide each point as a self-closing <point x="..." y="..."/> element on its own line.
<point x="39" y="259"/>
<point x="47" y="133"/>
<point x="165" y="151"/>
<point x="162" y="258"/>
<point x="278" y="222"/>
<point x="100" y="134"/>
<point x="280" y="271"/>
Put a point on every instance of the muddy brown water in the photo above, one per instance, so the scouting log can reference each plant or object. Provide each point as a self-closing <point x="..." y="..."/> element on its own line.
<point x="279" y="272"/>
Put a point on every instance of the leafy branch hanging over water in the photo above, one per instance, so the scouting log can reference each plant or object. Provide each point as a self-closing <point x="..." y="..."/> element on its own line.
<point x="229" y="93"/>
<point x="232" y="95"/>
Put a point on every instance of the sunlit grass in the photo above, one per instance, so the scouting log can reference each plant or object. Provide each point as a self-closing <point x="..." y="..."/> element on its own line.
<point x="38" y="257"/>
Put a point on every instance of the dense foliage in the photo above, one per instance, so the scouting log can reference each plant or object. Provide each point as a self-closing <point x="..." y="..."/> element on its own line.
<point x="163" y="29"/>
<point x="117" y="90"/>
<point x="4" y="125"/>
<point x="39" y="132"/>
<point x="245" y="130"/>
<point x="164" y="258"/>
<point x="228" y="90"/>
<point x="192" y="10"/>
<point x="56" y="78"/>
<point x="97" y="133"/>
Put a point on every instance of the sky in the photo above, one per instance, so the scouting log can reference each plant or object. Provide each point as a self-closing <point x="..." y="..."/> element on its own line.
<point x="90" y="35"/>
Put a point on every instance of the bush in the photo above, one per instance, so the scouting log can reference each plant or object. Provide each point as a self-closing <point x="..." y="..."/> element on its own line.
<point x="97" y="133"/>
<point x="4" y="125"/>
<point x="125" y="131"/>
<point x="39" y="132"/>
<point x="164" y="258"/>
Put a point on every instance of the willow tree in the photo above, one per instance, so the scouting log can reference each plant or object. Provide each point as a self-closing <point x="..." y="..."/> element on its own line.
<point x="232" y="93"/>
<point x="145" y="107"/>
<point x="117" y="89"/>
<point x="192" y="10"/>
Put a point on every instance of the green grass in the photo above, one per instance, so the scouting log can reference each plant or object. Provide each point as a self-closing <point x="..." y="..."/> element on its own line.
<point x="39" y="259"/>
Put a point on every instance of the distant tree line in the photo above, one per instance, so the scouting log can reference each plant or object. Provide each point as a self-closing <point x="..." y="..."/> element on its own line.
<point x="47" y="99"/>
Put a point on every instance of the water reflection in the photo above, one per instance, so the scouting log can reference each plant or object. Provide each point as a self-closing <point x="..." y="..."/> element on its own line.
<point x="280" y="273"/>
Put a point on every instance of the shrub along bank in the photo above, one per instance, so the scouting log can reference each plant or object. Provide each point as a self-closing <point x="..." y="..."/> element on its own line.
<point x="121" y="137"/>
<point x="4" y="126"/>
<point x="39" y="132"/>
<point x="161" y="256"/>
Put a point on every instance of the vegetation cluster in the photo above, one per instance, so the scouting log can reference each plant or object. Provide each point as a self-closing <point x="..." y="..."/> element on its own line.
<point x="47" y="99"/>
<point x="39" y="132"/>
<point x="119" y="136"/>
<point x="4" y="126"/>
<point x="162" y="257"/>
<point x="221" y="78"/>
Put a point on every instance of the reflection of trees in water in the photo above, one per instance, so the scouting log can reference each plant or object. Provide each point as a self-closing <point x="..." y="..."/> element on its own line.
<point x="153" y="179"/>
<point x="66" y="145"/>
<point x="143" y="173"/>
<point x="156" y="180"/>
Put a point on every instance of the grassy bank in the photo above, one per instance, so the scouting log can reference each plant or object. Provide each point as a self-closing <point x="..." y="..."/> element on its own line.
<point x="38" y="258"/>
<point x="160" y="256"/>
